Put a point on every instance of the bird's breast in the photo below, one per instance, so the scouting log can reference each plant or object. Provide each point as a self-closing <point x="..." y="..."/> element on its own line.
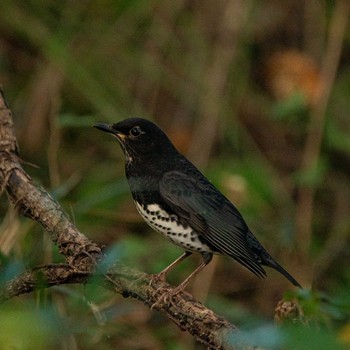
<point x="173" y="228"/>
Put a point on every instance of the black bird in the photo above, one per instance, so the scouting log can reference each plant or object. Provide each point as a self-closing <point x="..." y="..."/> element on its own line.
<point x="177" y="200"/>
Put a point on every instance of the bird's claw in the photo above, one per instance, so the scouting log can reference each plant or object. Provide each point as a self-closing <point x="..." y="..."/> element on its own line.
<point x="166" y="296"/>
<point x="157" y="277"/>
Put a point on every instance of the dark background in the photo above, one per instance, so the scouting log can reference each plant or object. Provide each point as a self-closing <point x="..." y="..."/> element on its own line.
<point x="255" y="93"/>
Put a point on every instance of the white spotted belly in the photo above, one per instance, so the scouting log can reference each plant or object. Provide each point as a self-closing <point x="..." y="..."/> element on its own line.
<point x="168" y="225"/>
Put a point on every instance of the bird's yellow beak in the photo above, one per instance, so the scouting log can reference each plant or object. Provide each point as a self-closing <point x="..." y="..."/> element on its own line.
<point x="108" y="128"/>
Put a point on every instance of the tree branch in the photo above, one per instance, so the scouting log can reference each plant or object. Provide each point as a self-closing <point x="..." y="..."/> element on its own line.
<point x="83" y="256"/>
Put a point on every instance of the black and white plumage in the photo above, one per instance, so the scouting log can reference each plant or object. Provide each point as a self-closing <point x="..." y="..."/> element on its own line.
<point x="176" y="199"/>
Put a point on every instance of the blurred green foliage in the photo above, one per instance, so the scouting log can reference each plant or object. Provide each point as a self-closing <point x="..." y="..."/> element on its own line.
<point x="207" y="74"/>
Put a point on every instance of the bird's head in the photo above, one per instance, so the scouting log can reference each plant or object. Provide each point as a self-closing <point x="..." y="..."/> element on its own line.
<point x="139" y="138"/>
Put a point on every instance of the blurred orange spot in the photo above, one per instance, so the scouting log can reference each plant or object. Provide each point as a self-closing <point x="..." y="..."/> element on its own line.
<point x="290" y="72"/>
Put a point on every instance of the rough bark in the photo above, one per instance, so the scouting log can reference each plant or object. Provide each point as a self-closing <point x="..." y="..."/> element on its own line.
<point x="82" y="256"/>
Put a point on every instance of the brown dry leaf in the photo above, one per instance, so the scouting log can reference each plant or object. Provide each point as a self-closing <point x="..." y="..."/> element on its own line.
<point x="290" y="72"/>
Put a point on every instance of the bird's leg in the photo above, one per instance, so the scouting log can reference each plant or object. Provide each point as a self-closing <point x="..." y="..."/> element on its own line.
<point x="170" y="293"/>
<point x="206" y="260"/>
<point x="161" y="275"/>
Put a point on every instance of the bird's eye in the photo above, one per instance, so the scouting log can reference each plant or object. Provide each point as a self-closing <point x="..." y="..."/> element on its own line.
<point x="135" y="131"/>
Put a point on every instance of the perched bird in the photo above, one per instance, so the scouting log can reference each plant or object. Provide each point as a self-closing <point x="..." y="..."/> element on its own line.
<point x="177" y="200"/>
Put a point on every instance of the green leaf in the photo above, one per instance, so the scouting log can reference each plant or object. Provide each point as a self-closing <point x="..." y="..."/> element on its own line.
<point x="314" y="174"/>
<point x="305" y="338"/>
<point x="292" y="108"/>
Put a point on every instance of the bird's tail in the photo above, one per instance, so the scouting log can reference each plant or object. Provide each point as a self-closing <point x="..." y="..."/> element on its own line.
<point x="266" y="259"/>
<point x="269" y="261"/>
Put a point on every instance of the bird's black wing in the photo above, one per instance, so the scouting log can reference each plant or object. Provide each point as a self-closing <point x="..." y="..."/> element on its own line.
<point x="211" y="215"/>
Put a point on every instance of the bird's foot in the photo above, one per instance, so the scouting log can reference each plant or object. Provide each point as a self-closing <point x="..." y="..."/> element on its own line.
<point x="162" y="290"/>
<point x="157" y="277"/>
<point x="162" y="300"/>
<point x="166" y="296"/>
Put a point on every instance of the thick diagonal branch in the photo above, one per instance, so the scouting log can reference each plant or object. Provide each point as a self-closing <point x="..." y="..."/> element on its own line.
<point x="83" y="256"/>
